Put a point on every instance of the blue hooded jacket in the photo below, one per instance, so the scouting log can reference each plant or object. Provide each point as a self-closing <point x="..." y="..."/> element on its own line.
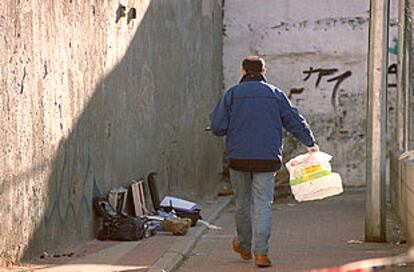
<point x="251" y="115"/>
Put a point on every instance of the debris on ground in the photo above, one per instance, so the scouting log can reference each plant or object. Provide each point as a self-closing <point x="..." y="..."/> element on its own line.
<point x="210" y="226"/>
<point x="120" y="226"/>
<point x="44" y="255"/>
<point x="118" y="197"/>
<point x="137" y="189"/>
<point x="176" y="225"/>
<point x="226" y="192"/>
<point x="127" y="218"/>
<point x="182" y="208"/>
<point x="355" y="242"/>
<point x="194" y="216"/>
<point x="401" y="242"/>
<point x="179" y="204"/>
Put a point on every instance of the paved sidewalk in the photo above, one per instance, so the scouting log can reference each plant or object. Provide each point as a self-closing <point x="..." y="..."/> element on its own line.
<point x="162" y="251"/>
<point x="305" y="236"/>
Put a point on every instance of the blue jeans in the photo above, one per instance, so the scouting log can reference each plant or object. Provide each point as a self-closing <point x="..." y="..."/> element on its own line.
<point x="254" y="197"/>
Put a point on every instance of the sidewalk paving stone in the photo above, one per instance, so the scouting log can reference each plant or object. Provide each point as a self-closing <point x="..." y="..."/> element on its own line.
<point x="163" y="250"/>
<point x="304" y="236"/>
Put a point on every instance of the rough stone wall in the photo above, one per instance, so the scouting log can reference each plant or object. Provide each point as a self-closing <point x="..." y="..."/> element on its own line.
<point x="89" y="102"/>
<point x="316" y="51"/>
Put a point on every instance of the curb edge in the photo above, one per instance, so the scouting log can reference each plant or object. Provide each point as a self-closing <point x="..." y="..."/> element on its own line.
<point x="176" y="253"/>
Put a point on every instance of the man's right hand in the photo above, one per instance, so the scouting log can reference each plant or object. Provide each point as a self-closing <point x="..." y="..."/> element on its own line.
<point x="313" y="149"/>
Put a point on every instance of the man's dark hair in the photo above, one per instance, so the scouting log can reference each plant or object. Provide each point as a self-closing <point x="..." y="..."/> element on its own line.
<point x="253" y="64"/>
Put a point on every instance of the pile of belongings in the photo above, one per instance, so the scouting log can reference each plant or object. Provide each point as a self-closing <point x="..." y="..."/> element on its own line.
<point x="176" y="215"/>
<point x="172" y="214"/>
<point x="119" y="225"/>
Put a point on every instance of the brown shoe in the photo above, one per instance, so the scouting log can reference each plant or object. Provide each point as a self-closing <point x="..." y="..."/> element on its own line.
<point x="263" y="261"/>
<point x="244" y="255"/>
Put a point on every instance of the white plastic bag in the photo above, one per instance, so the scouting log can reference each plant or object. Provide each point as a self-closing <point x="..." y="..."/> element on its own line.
<point x="311" y="177"/>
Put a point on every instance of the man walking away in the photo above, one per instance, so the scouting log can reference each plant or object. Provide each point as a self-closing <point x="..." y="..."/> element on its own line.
<point x="252" y="115"/>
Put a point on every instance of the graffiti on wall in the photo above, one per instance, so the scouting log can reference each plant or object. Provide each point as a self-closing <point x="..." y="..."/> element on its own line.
<point x="332" y="75"/>
<point x="341" y="99"/>
<point x="392" y="76"/>
<point x="350" y="22"/>
<point x="393" y="49"/>
<point x="392" y="68"/>
<point x="62" y="204"/>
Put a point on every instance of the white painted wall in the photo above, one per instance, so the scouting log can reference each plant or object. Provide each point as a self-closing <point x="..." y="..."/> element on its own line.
<point x="297" y="38"/>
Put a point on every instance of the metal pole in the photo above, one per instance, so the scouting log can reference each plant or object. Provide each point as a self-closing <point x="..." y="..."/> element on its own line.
<point x="406" y="94"/>
<point x="376" y="112"/>
<point x="409" y="85"/>
<point x="401" y="71"/>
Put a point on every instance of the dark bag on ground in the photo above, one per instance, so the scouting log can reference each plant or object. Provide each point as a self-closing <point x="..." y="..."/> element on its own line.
<point x="118" y="226"/>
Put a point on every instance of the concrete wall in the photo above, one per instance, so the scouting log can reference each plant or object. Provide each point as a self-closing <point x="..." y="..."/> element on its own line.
<point x="316" y="51"/>
<point x="402" y="192"/>
<point x="88" y="103"/>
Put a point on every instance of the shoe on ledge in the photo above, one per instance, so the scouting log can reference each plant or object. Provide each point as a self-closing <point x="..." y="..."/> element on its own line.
<point x="245" y="255"/>
<point x="262" y="261"/>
